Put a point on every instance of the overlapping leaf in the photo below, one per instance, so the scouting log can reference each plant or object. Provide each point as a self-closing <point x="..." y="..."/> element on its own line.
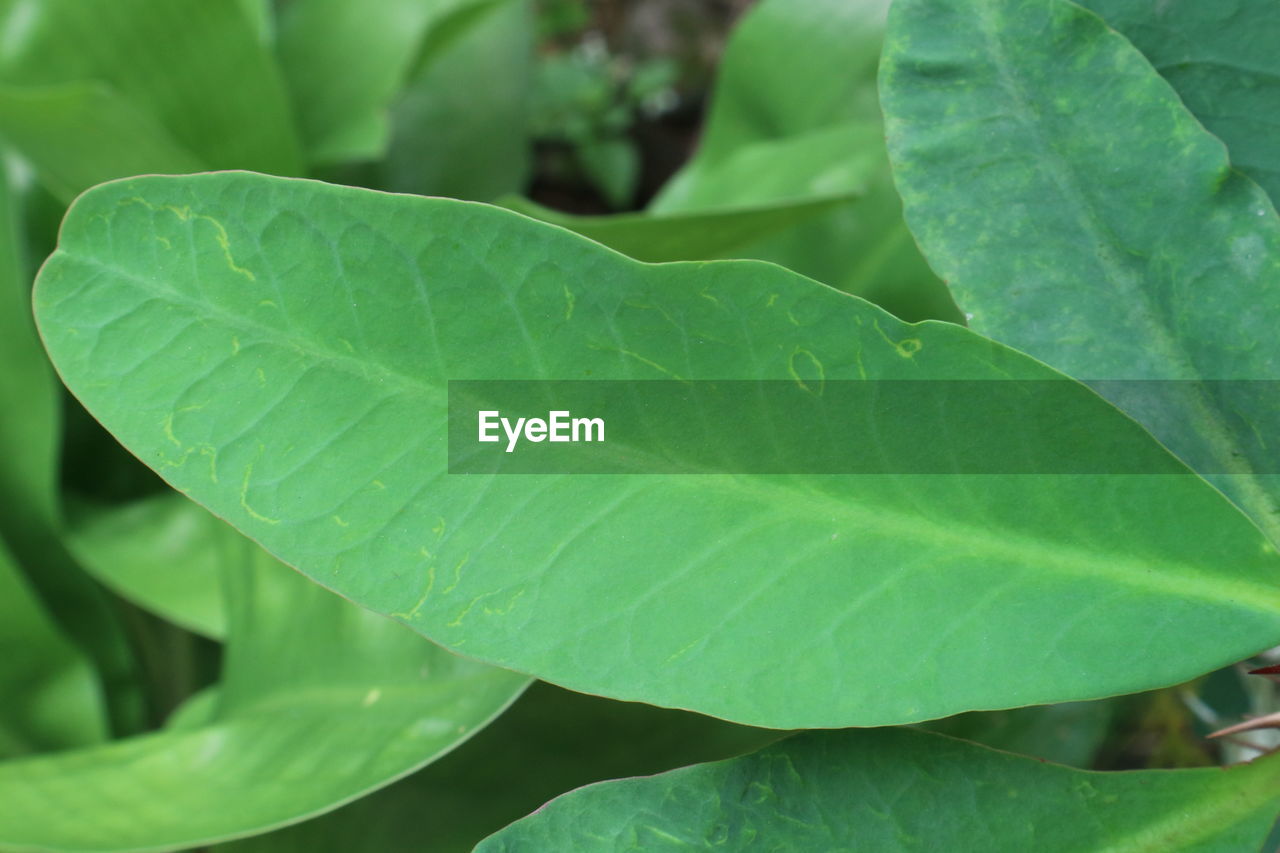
<point x="896" y="790"/>
<point x="1221" y="59"/>
<point x="570" y="739"/>
<point x="320" y="702"/>
<point x="280" y="350"/>
<point x="1113" y="239"/>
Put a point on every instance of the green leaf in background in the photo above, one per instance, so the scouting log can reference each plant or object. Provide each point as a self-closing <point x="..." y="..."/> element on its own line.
<point x="763" y="142"/>
<point x="151" y="59"/>
<point x="345" y="60"/>
<point x="1222" y="60"/>
<point x="80" y="134"/>
<point x="779" y="43"/>
<point x="51" y="699"/>
<point x="700" y="235"/>
<point x="261" y="15"/>
<point x="832" y="161"/>
<point x="897" y="790"/>
<point x="458" y="128"/>
<point x="159" y="554"/>
<point x="1113" y="241"/>
<point x="29" y="395"/>
<point x="30" y="514"/>
<point x="320" y="703"/>
<point x="550" y="741"/>
<point x="279" y="350"/>
<point x="1070" y="733"/>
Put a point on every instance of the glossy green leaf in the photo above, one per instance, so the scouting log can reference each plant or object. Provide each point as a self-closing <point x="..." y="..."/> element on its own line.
<point x="458" y="128"/>
<point x="698" y="235"/>
<point x="160" y="58"/>
<point x="51" y="698"/>
<point x="158" y="554"/>
<point x="897" y="790"/>
<point x="80" y="134"/>
<point x="1112" y="238"/>
<point x="320" y="702"/>
<point x="346" y="59"/>
<point x="279" y="350"/>
<point x="1222" y="60"/>
<point x="550" y="741"/>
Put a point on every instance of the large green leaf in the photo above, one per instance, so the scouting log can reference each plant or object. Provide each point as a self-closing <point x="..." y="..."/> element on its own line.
<point x="1222" y="60"/>
<point x="550" y="741"/>
<point x="345" y="61"/>
<point x="897" y="790"/>
<point x="320" y="702"/>
<point x="51" y="699"/>
<point x="1079" y="212"/>
<point x="279" y="350"/>
<point x="194" y="67"/>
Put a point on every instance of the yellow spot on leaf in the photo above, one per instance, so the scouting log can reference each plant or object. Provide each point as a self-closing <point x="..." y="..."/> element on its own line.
<point x="569" y="301"/>
<point x="802" y="359"/>
<point x="244" y="498"/>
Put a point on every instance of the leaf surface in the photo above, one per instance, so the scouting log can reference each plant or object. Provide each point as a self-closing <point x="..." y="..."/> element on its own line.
<point x="898" y="790"/>
<point x="320" y="702"/>
<point x="279" y="350"/>
<point x="1113" y="240"/>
